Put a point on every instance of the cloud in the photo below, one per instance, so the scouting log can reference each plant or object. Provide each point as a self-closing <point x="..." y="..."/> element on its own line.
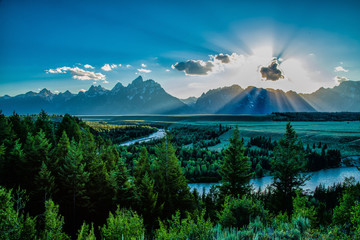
<point x="167" y="70"/>
<point x="113" y="66"/>
<point x="340" y="69"/>
<point x="194" y="67"/>
<point x="271" y="72"/>
<point x="128" y="66"/>
<point x="88" y="66"/>
<point x="79" y="73"/>
<point x="143" y="65"/>
<point x="120" y="65"/>
<point x="144" y="70"/>
<point x="106" y="67"/>
<point x="215" y="64"/>
<point x="82" y="90"/>
<point x="56" y="91"/>
<point x="223" y="58"/>
<point x="341" y="79"/>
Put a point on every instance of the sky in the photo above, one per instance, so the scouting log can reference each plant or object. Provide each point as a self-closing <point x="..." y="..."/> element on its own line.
<point x="188" y="47"/>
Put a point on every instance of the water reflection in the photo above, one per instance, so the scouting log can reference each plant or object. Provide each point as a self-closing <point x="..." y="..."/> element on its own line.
<point x="325" y="177"/>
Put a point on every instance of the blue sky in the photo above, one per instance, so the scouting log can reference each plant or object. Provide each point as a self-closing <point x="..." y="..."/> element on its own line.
<point x="186" y="46"/>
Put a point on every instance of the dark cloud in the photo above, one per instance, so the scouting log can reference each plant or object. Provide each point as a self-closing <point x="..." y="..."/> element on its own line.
<point x="341" y="79"/>
<point x="193" y="67"/>
<point x="271" y="72"/>
<point x="223" y="58"/>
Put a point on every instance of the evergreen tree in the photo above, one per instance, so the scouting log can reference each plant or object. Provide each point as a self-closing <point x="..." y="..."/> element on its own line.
<point x="36" y="151"/>
<point x="124" y="224"/>
<point x="62" y="148"/>
<point x="5" y="129"/>
<point x="142" y="165"/>
<point x="145" y="192"/>
<point x="288" y="161"/>
<point x="73" y="179"/>
<point x="45" y="182"/>
<point x="43" y="123"/>
<point x="121" y="184"/>
<point x="19" y="127"/>
<point x="54" y="223"/>
<point x="235" y="170"/>
<point x="13" y="224"/>
<point x="170" y="181"/>
<point x="85" y="233"/>
<point x="10" y="165"/>
<point x="70" y="126"/>
<point x="101" y="197"/>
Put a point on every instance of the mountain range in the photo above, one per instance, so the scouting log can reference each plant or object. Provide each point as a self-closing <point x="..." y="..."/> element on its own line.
<point x="148" y="97"/>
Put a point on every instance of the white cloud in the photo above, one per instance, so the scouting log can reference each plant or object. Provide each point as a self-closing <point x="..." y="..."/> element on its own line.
<point x="120" y="65"/>
<point x="82" y="90"/>
<point x="143" y="65"/>
<point x="128" y="66"/>
<point x="144" y="70"/>
<point x="78" y="73"/>
<point x="106" y="67"/>
<point x="56" y="91"/>
<point x="167" y="70"/>
<point x="88" y="66"/>
<point x="340" y="69"/>
<point x="113" y="66"/>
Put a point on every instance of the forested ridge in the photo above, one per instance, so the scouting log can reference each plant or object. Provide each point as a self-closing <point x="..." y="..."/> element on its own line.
<point x="65" y="180"/>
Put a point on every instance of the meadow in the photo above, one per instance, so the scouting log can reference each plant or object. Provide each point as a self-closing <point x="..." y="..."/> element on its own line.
<point x="342" y="135"/>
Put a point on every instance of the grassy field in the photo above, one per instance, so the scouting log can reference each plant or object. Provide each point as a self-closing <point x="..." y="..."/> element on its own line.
<point x="344" y="136"/>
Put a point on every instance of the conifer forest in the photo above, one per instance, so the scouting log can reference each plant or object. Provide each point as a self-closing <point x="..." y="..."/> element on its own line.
<point x="62" y="177"/>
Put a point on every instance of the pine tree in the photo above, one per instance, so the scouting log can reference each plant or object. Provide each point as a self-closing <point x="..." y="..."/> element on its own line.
<point x="101" y="197"/>
<point x="146" y="195"/>
<point x="123" y="188"/>
<point x="45" y="182"/>
<point x="235" y="170"/>
<point x="13" y="224"/>
<point x="5" y="129"/>
<point x="54" y="222"/>
<point x="170" y="181"/>
<point x="36" y="151"/>
<point x="85" y="233"/>
<point x="73" y="179"/>
<point x="70" y="126"/>
<point x="288" y="161"/>
<point x="124" y="224"/>
<point x="142" y="165"/>
<point x="43" y="123"/>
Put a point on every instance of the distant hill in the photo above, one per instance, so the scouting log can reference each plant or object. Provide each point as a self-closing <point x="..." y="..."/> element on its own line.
<point x="342" y="98"/>
<point x="139" y="97"/>
<point x="252" y="100"/>
<point x="148" y="97"/>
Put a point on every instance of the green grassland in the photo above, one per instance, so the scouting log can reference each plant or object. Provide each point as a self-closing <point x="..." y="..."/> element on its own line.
<point x="341" y="135"/>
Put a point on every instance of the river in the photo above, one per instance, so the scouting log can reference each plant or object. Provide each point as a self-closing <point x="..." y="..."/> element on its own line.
<point x="326" y="177"/>
<point x="156" y="135"/>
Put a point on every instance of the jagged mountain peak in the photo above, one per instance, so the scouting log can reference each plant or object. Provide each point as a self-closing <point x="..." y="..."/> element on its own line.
<point x="94" y="90"/>
<point x="44" y="92"/>
<point x="138" y="80"/>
